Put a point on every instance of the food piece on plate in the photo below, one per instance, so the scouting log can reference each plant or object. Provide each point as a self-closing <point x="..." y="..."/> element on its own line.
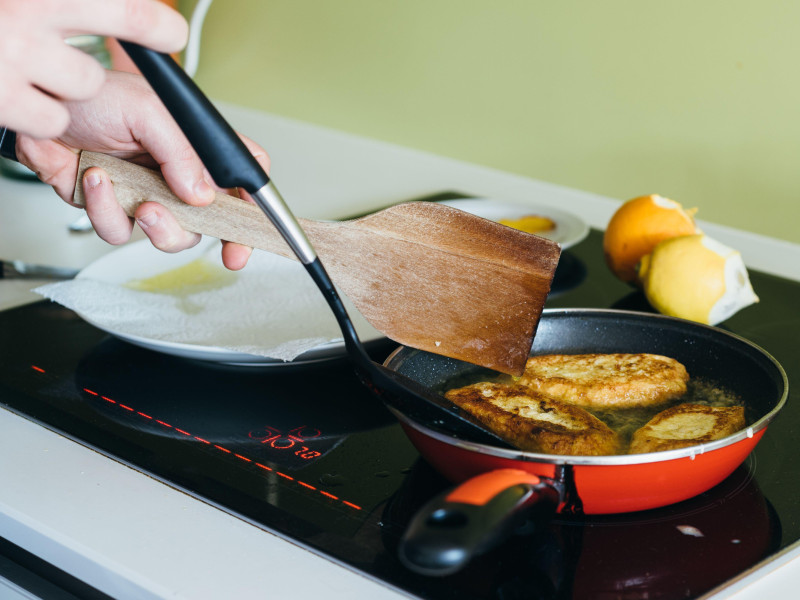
<point x="530" y="223"/>
<point x="606" y="380"/>
<point x="687" y="425"/>
<point x="534" y="422"/>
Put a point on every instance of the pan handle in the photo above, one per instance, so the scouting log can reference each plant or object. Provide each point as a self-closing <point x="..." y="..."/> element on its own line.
<point x="464" y="522"/>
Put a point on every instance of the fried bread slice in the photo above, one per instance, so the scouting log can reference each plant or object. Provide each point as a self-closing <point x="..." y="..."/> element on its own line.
<point x="532" y="421"/>
<point x="686" y="425"/>
<point x="606" y="380"/>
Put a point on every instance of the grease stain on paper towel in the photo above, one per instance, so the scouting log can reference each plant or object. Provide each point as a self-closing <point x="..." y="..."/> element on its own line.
<point x="200" y="275"/>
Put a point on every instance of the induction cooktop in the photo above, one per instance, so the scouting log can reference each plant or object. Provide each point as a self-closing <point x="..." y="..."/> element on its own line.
<point x="308" y="453"/>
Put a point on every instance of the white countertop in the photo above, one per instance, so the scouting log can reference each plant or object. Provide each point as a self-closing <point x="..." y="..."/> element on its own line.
<point x="133" y="537"/>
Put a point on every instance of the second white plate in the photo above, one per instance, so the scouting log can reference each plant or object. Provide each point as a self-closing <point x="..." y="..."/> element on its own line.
<point x="569" y="229"/>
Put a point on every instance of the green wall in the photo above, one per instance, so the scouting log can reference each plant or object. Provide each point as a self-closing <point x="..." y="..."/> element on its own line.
<point x="696" y="100"/>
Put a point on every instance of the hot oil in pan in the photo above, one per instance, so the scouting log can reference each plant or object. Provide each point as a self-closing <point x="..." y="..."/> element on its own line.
<point x="698" y="391"/>
<point x="625" y="421"/>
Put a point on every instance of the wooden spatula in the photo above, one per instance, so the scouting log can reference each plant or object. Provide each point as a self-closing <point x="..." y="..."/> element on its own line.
<point x="424" y="274"/>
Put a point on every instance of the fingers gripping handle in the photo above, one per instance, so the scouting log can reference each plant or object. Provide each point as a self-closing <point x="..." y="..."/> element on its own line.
<point x="219" y="147"/>
<point x="221" y="150"/>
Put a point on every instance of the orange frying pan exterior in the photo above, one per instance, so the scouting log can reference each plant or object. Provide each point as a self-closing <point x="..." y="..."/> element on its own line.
<point x="600" y="489"/>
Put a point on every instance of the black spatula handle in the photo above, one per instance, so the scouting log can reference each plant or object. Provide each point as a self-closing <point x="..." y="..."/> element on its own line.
<point x="219" y="147"/>
<point x="221" y="150"/>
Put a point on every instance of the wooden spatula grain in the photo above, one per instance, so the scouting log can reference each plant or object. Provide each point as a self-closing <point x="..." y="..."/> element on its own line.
<point x="426" y="275"/>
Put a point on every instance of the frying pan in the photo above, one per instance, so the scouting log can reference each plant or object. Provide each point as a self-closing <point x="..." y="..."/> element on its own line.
<point x="499" y="486"/>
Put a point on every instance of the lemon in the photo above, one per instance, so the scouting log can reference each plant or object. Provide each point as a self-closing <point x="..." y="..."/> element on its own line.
<point x="695" y="277"/>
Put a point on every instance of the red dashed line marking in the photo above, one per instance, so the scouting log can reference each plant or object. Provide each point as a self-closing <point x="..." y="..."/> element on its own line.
<point x="217" y="446"/>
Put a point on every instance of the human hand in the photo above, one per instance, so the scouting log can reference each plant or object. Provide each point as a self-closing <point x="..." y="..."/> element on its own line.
<point x="39" y="72"/>
<point x="127" y="120"/>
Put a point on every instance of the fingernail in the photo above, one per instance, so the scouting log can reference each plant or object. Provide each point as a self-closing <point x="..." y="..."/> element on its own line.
<point x="203" y="191"/>
<point x="93" y="180"/>
<point x="147" y="219"/>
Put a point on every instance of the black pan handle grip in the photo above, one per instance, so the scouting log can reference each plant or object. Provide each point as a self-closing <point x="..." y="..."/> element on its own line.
<point x="222" y="151"/>
<point x="463" y="523"/>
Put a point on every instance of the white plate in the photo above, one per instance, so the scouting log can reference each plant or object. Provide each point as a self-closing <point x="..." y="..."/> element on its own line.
<point x="569" y="229"/>
<point x="140" y="260"/>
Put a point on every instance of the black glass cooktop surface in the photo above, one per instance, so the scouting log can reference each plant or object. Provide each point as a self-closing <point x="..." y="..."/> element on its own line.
<point x="308" y="453"/>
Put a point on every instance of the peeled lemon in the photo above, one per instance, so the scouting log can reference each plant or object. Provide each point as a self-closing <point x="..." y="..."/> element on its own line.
<point x="695" y="277"/>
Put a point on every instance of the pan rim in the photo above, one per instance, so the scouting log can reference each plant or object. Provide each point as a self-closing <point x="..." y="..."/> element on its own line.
<point x="690" y="452"/>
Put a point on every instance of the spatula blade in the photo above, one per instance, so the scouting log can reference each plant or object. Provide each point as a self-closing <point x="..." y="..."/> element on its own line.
<point x="425" y="275"/>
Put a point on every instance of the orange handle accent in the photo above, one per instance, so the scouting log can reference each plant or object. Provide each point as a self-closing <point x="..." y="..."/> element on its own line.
<point x="481" y="489"/>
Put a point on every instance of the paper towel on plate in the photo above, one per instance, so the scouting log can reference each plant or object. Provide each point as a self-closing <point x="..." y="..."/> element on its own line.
<point x="271" y="308"/>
